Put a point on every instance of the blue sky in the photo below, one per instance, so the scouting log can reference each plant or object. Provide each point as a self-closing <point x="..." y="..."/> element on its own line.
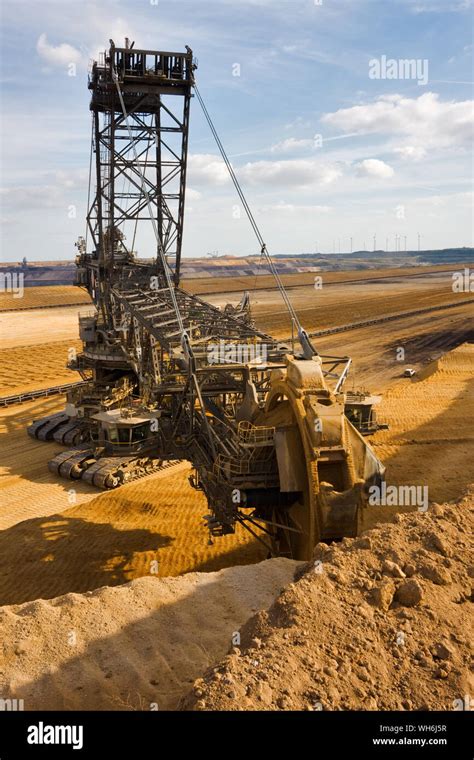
<point x="324" y="152"/>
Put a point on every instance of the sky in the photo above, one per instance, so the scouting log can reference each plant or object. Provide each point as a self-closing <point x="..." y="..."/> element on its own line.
<point x="335" y="140"/>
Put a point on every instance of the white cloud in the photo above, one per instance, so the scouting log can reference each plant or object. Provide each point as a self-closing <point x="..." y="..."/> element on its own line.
<point x="463" y="200"/>
<point x="192" y="195"/>
<point x="59" y="55"/>
<point x="106" y="28"/>
<point x="426" y="120"/>
<point x="70" y="178"/>
<point x="291" y="144"/>
<point x="57" y="190"/>
<point x="411" y="152"/>
<point x="373" y="167"/>
<point x="292" y="209"/>
<point x="445" y="6"/>
<point x="299" y="172"/>
<point x="298" y="122"/>
<point x="25" y="198"/>
<point x="207" y="169"/>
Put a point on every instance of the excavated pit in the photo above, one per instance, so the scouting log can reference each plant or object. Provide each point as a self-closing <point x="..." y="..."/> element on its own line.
<point x="92" y="616"/>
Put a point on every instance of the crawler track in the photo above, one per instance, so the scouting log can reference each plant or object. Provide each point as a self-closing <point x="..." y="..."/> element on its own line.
<point x="106" y="472"/>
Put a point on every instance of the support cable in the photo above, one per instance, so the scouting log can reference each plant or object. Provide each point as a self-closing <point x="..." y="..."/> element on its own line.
<point x="308" y="349"/>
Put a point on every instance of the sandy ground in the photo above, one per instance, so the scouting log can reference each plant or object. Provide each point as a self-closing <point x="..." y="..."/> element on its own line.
<point x="37" y="366"/>
<point x="152" y="526"/>
<point x="55" y="295"/>
<point x="374" y="350"/>
<point x="207" y="285"/>
<point x="36" y="346"/>
<point x="39" y="326"/>
<point x="47" y="295"/>
<point x="431" y="435"/>
<point x="27" y="488"/>
<point x="139" y="646"/>
<point x="350" y="302"/>
<point x="381" y="622"/>
<point x="55" y="541"/>
<point x="79" y="540"/>
<point x="35" y="343"/>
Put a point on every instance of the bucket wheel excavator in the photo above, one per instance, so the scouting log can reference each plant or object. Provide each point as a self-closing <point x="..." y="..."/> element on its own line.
<point x="275" y="443"/>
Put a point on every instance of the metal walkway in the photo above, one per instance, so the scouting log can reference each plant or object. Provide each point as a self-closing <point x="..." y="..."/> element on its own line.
<point x="54" y="390"/>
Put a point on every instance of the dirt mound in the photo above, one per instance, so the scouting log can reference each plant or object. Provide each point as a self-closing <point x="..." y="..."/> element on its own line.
<point x="379" y="622"/>
<point x="139" y="646"/>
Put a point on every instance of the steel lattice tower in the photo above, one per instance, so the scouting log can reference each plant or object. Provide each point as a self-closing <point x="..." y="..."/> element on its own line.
<point x="147" y="146"/>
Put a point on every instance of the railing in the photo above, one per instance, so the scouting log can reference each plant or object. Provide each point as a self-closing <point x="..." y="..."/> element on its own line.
<point x="143" y="63"/>
<point x="255" y="436"/>
<point x="228" y="469"/>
